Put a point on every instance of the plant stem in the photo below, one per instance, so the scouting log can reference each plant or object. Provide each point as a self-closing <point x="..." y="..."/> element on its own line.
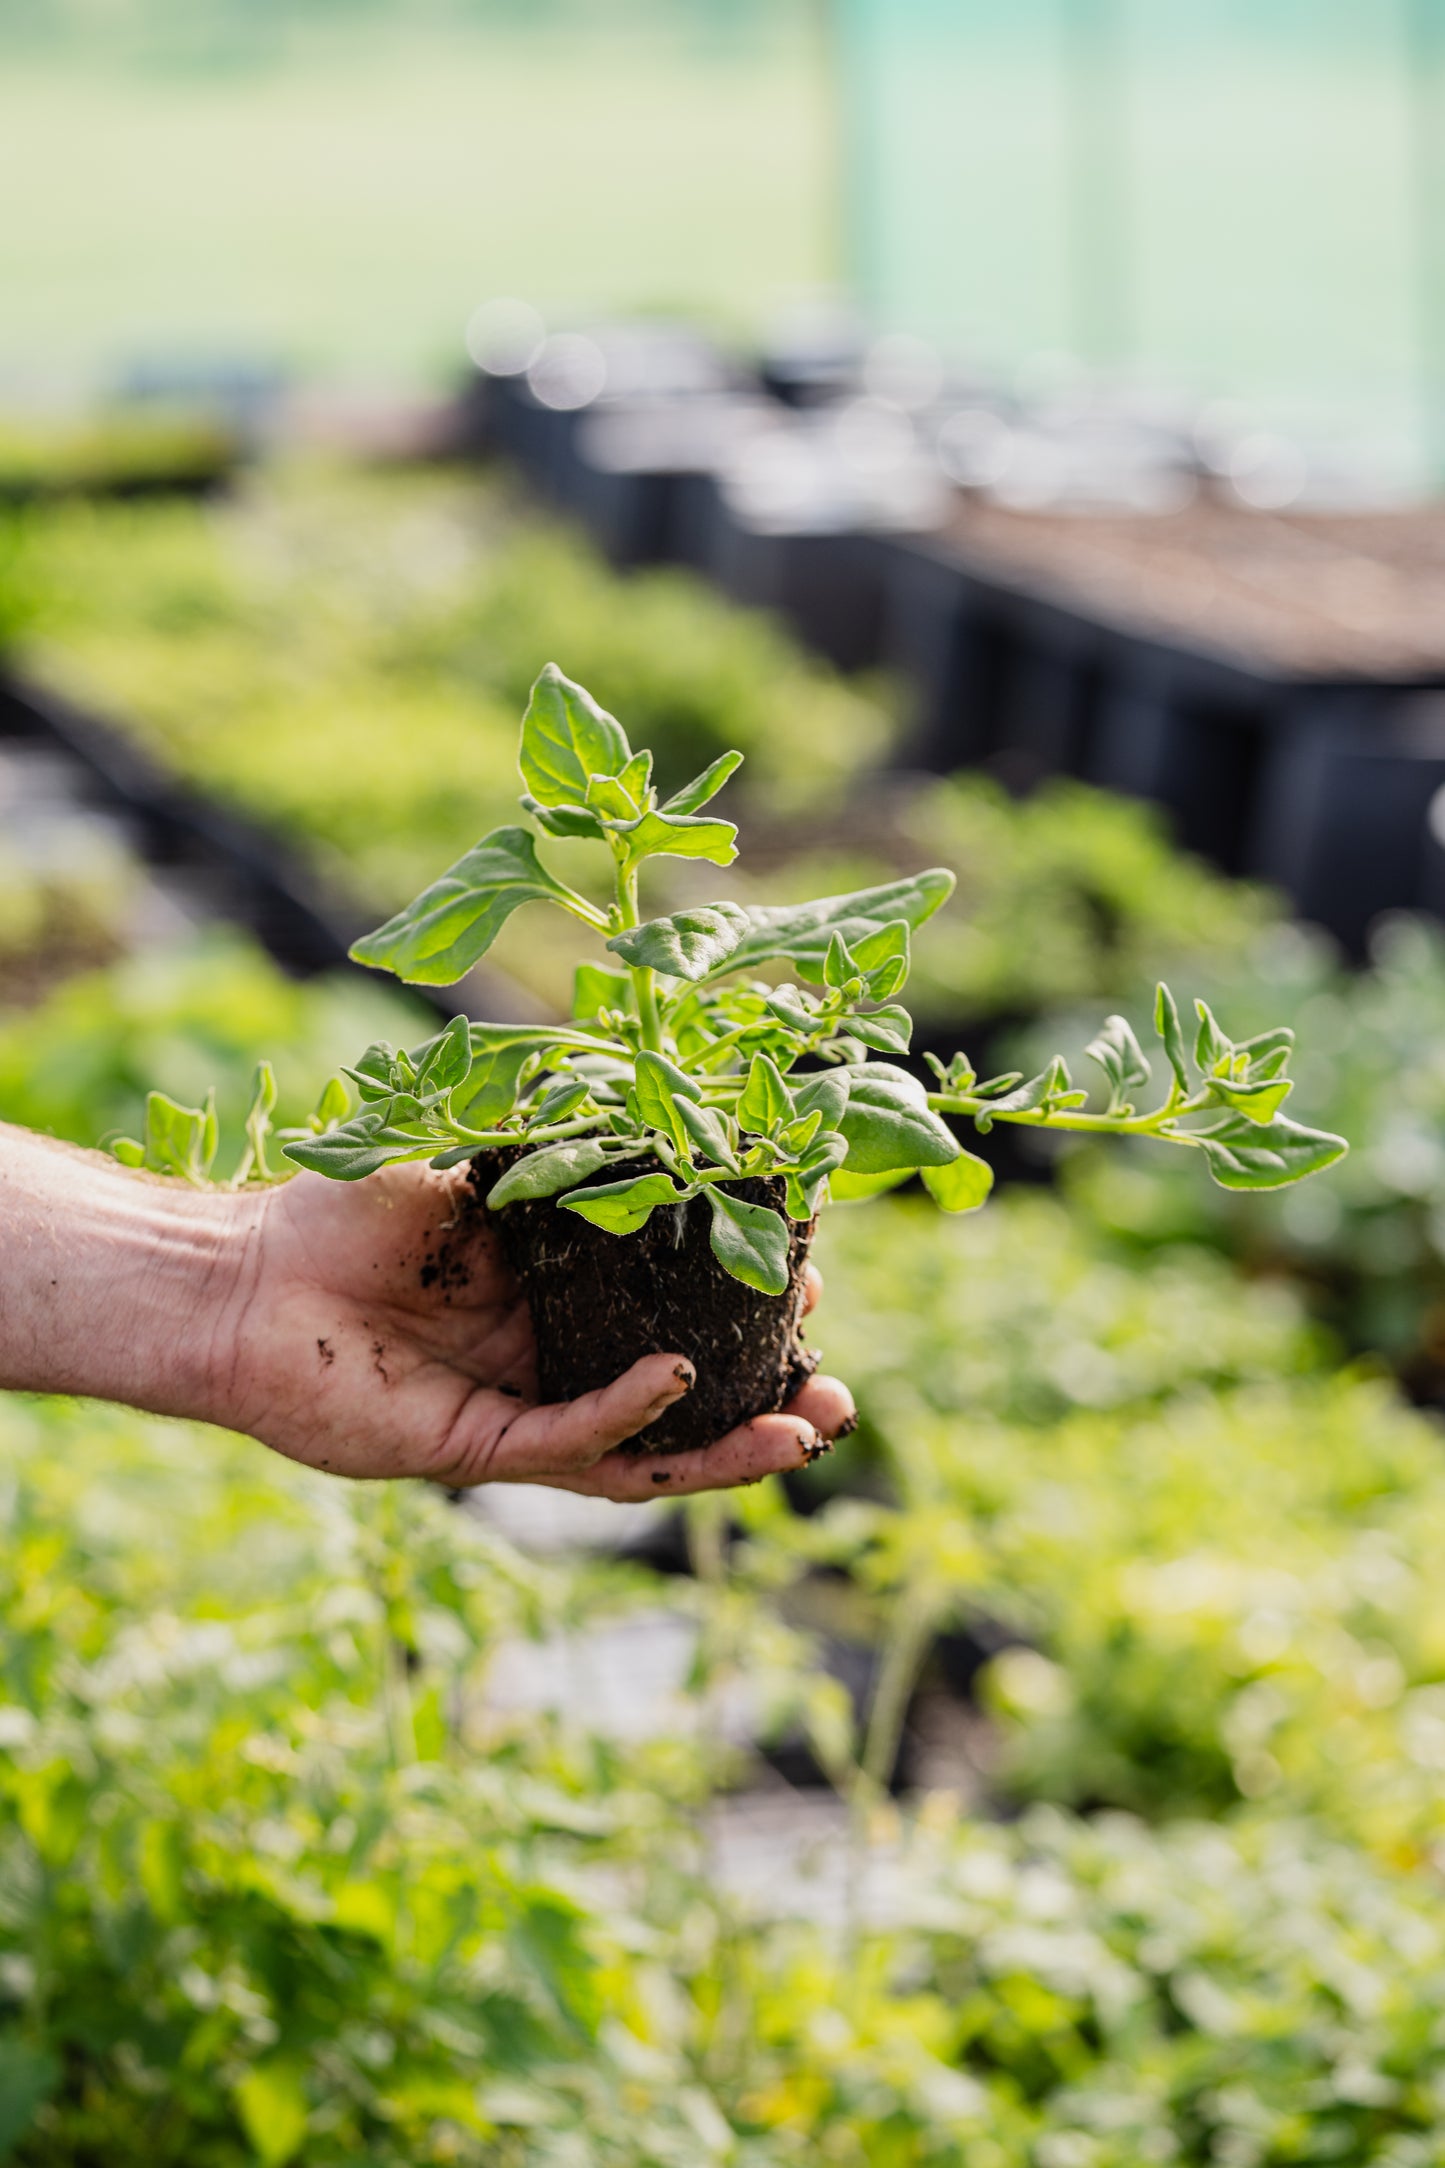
<point x="906" y="1643"/>
<point x="910" y="1633"/>
<point x="577" y="1127"/>
<point x="702" y="1062"/>
<point x="581" y="908"/>
<point x="644" y="983"/>
<point x="1118" y="1125"/>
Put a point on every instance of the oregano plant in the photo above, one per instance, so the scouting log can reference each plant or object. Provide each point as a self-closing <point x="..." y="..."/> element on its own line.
<point x="715" y="1045"/>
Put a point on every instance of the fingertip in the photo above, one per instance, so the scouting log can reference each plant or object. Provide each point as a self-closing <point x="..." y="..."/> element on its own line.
<point x="826" y="1403"/>
<point x="812" y="1287"/>
<point x="656" y="1381"/>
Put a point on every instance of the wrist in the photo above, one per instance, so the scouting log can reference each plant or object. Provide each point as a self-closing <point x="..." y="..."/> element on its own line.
<point x="116" y="1285"/>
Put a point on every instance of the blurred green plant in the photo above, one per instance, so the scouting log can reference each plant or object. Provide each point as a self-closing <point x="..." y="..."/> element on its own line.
<point x="121" y="453"/>
<point x="1215" y="1562"/>
<point x="81" y="1062"/>
<point x="343" y="653"/>
<point x="57" y="918"/>
<point x="1028" y="1313"/>
<point x="1070" y="894"/>
<point x="279" y="1882"/>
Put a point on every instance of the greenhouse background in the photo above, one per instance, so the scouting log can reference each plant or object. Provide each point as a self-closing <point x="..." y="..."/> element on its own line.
<point x="1244" y="200"/>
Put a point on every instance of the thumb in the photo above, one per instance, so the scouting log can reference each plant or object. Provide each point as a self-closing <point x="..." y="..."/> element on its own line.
<point x="497" y="1440"/>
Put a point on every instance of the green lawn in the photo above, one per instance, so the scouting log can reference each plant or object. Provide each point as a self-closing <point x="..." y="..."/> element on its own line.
<point x="347" y="205"/>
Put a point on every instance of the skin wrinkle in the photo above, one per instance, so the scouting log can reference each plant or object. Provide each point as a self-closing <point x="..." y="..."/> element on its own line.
<point x="126" y="1286"/>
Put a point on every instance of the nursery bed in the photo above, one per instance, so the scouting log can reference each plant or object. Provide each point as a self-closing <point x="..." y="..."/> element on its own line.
<point x="237" y="871"/>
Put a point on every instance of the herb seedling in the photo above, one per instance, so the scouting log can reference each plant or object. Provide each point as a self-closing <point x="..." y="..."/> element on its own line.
<point x="681" y="1055"/>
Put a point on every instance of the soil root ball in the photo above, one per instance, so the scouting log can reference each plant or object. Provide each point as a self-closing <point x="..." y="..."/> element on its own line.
<point x="599" y="1301"/>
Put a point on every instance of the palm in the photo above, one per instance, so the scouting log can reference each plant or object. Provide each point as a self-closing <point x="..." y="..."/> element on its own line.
<point x="380" y="1334"/>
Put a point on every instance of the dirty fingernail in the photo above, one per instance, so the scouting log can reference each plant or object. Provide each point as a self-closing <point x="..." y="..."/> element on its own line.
<point x="685" y="1375"/>
<point x="813" y="1445"/>
<point x="847" y="1427"/>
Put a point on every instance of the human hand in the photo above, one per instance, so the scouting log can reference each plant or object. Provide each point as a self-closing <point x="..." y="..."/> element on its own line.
<point x="374" y="1330"/>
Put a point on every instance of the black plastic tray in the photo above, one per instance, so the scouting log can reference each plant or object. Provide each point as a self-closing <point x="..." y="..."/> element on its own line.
<point x="1319" y="784"/>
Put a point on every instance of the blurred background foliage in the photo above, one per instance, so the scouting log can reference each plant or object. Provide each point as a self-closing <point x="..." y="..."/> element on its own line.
<point x="1118" y="1542"/>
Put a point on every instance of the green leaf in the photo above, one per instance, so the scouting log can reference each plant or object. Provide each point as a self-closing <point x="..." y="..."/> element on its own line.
<point x="962" y="1186"/>
<point x="660" y="1084"/>
<point x="258" y="1116"/>
<point x="180" y="1140"/>
<point x="801" y="932"/>
<point x="375" y="1075"/>
<point x="542" y="1174"/>
<point x="555" y="1105"/>
<point x="994" y="1087"/>
<point x="129" y="1151"/>
<point x="1170" y="1031"/>
<point x="1210" y="1045"/>
<point x="1259" y="1102"/>
<point x="566" y="739"/>
<point x="623" y="1207"/>
<point x="839" y="968"/>
<point x="765" y="1101"/>
<point x="263" y="1091"/>
<point x="608" y="798"/>
<point x="1267" y="1053"/>
<point x="687" y="945"/>
<point x="1121" y="1058"/>
<point x="488" y="1092"/>
<point x="679" y="835"/>
<point x="1049" y="1086"/>
<point x="595" y="988"/>
<point x="566" y="821"/>
<point x="796" y="1136"/>
<point x="960" y="1075"/>
<point x="333" y="1106"/>
<point x="827" y="1092"/>
<point x="750" y="1241"/>
<point x="704" y="786"/>
<point x="271" y="2102"/>
<point x="889" y="1029"/>
<point x="819" y="1165"/>
<point x="361" y="1146"/>
<point x="883" y="958"/>
<point x="445" y="929"/>
<point x="889" y="1123"/>
<point x="846" y="1187"/>
<point x="448" y="1058"/>
<point x="707" y="1130"/>
<point x="28" y="2077"/>
<point x="1244" y="1155"/>
<point x="636" y="777"/>
<point x="791" y="1012"/>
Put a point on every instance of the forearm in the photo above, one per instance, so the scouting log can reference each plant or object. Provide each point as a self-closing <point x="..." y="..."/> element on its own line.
<point x="113" y="1285"/>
